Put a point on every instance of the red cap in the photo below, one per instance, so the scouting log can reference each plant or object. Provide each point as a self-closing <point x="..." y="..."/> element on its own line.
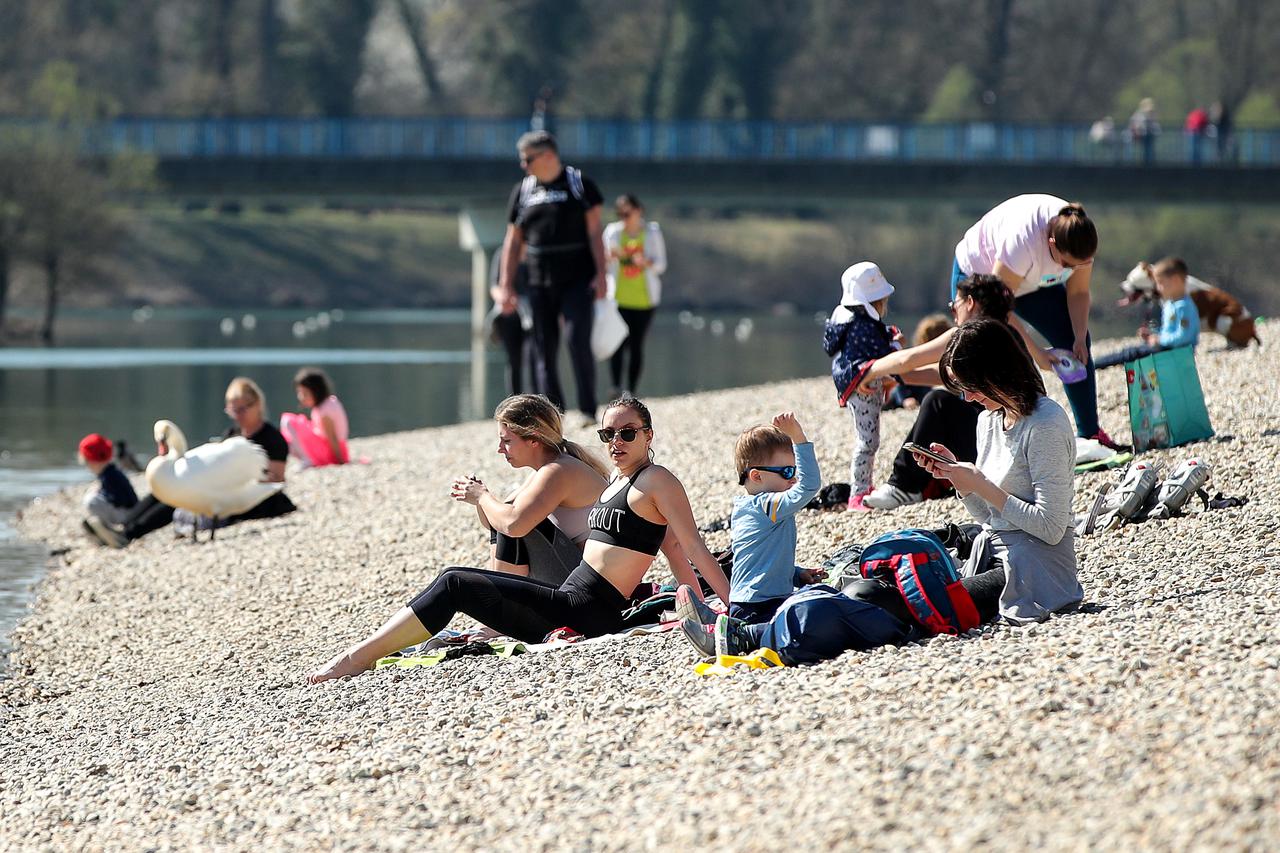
<point x="95" y="448"/>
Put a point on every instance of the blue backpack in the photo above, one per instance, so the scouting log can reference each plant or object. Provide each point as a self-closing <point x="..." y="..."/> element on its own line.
<point x="919" y="565"/>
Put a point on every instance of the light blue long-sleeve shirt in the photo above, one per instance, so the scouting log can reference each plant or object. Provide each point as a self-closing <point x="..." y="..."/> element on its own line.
<point x="764" y="534"/>
<point x="1179" y="323"/>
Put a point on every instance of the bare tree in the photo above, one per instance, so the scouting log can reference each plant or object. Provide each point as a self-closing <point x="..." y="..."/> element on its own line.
<point x="69" y="222"/>
<point x="415" y="27"/>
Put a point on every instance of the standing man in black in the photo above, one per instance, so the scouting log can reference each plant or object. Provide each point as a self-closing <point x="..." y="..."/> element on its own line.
<point x="555" y="216"/>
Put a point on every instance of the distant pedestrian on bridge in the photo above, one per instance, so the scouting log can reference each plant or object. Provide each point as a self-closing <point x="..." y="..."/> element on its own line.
<point x="554" y="216"/>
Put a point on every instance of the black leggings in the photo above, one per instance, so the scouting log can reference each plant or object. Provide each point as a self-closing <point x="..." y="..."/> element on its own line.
<point x="637" y="320"/>
<point x="523" y="608"/>
<point x="147" y="515"/>
<point x="943" y="418"/>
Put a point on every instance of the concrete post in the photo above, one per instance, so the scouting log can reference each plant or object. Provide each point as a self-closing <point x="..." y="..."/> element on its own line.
<point x="480" y="232"/>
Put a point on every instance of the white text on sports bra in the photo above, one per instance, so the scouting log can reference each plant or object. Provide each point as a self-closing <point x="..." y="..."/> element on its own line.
<point x="606" y="519"/>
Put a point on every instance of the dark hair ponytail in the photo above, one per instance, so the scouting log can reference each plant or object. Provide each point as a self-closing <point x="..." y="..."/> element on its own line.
<point x="1073" y="232"/>
<point x="992" y="296"/>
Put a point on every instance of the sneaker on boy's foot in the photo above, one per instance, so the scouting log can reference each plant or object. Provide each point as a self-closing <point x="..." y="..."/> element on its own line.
<point x="692" y="608"/>
<point x="700" y="636"/>
<point x="856" y="503"/>
<point x="731" y="636"/>
<point x="890" y="496"/>
<point x="110" y="537"/>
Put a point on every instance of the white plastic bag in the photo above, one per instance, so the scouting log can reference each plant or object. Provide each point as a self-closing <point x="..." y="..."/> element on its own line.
<point x="608" y="329"/>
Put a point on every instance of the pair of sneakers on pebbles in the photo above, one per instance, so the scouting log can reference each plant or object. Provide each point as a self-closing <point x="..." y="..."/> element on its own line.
<point x="711" y="633"/>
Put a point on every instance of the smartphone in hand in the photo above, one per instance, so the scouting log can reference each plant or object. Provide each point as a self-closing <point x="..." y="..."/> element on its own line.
<point x="912" y="447"/>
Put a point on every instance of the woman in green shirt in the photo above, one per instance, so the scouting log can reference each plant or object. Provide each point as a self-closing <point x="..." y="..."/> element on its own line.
<point x="637" y="257"/>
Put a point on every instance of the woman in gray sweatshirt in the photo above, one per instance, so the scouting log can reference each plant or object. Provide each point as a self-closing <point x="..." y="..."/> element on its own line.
<point x="1020" y="488"/>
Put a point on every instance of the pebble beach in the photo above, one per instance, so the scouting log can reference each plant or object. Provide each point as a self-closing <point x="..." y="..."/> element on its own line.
<point x="157" y="697"/>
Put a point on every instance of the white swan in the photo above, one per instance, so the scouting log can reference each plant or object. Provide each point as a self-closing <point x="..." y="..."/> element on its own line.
<point x="218" y="479"/>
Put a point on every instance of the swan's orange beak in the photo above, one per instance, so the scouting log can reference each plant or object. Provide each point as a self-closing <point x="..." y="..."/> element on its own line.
<point x="161" y="448"/>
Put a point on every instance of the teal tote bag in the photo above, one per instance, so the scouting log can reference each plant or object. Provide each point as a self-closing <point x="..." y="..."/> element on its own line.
<point x="1166" y="403"/>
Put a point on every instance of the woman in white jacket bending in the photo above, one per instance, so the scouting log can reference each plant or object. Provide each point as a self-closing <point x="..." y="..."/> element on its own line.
<point x="637" y="257"/>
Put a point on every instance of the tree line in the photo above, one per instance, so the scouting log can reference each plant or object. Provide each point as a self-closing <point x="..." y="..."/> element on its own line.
<point x="945" y="60"/>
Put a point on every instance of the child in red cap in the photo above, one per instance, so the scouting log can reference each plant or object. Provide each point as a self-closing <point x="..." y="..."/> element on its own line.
<point x="108" y="503"/>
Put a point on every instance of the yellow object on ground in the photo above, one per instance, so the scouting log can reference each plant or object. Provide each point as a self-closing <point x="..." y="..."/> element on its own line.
<point x="726" y="664"/>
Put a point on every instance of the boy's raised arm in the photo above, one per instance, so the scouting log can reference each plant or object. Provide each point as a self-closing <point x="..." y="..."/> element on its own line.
<point x="780" y="505"/>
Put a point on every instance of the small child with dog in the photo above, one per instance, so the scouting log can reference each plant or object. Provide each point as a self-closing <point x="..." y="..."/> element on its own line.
<point x="109" y="502"/>
<point x="778" y="469"/>
<point x="855" y="336"/>
<point x="1179" y="318"/>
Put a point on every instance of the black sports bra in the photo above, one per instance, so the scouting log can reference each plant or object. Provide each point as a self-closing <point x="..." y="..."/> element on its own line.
<point x="614" y="522"/>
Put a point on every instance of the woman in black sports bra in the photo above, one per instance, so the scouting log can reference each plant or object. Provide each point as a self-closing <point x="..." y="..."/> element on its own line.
<point x="643" y="510"/>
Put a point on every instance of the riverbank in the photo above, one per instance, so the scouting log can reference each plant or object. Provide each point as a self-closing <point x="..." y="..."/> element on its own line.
<point x="389" y="252"/>
<point x="157" y="698"/>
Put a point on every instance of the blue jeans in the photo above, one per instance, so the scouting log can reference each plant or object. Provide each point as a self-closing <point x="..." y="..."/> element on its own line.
<point x="1046" y="311"/>
<point x="818" y="623"/>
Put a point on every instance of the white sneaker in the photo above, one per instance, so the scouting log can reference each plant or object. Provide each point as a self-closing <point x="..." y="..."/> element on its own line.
<point x="890" y="496"/>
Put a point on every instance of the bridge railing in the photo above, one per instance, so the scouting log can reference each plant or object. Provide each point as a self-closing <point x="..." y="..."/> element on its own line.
<point x="615" y="139"/>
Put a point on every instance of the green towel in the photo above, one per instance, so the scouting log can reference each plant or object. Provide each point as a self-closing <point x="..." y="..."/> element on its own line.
<point x="1115" y="460"/>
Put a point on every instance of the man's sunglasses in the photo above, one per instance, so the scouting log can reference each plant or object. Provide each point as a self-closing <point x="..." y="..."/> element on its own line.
<point x="786" y="472"/>
<point x="627" y="434"/>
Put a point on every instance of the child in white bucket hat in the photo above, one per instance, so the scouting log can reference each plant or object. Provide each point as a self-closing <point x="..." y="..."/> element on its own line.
<point x="855" y="336"/>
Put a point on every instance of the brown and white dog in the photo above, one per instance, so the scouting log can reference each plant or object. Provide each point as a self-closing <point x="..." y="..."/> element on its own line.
<point x="1219" y="311"/>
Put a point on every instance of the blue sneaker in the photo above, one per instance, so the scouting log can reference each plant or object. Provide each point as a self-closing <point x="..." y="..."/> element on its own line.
<point x="693" y="609"/>
<point x="700" y="636"/>
<point x="731" y="636"/>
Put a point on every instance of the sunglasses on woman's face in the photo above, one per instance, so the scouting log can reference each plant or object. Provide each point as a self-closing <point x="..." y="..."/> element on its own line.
<point x="627" y="434"/>
<point x="786" y="472"/>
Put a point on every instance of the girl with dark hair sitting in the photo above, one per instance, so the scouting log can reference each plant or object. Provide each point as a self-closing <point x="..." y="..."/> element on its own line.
<point x="322" y="439"/>
<point x="1020" y="487"/>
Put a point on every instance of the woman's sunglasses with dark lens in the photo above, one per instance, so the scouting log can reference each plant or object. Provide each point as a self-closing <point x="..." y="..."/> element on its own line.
<point x="786" y="472"/>
<point x="627" y="434"/>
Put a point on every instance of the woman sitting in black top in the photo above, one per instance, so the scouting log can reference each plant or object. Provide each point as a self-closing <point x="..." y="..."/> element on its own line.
<point x="643" y="510"/>
<point x="247" y="406"/>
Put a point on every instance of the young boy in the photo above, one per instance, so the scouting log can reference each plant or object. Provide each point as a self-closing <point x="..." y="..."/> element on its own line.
<point x="778" y="469"/>
<point x="1179" y="319"/>
<point x="109" y="502"/>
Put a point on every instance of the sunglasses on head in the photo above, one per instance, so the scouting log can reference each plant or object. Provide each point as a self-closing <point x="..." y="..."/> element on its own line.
<point x="627" y="434"/>
<point x="786" y="472"/>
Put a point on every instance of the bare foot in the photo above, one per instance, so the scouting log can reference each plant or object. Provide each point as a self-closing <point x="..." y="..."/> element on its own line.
<point x="342" y="666"/>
